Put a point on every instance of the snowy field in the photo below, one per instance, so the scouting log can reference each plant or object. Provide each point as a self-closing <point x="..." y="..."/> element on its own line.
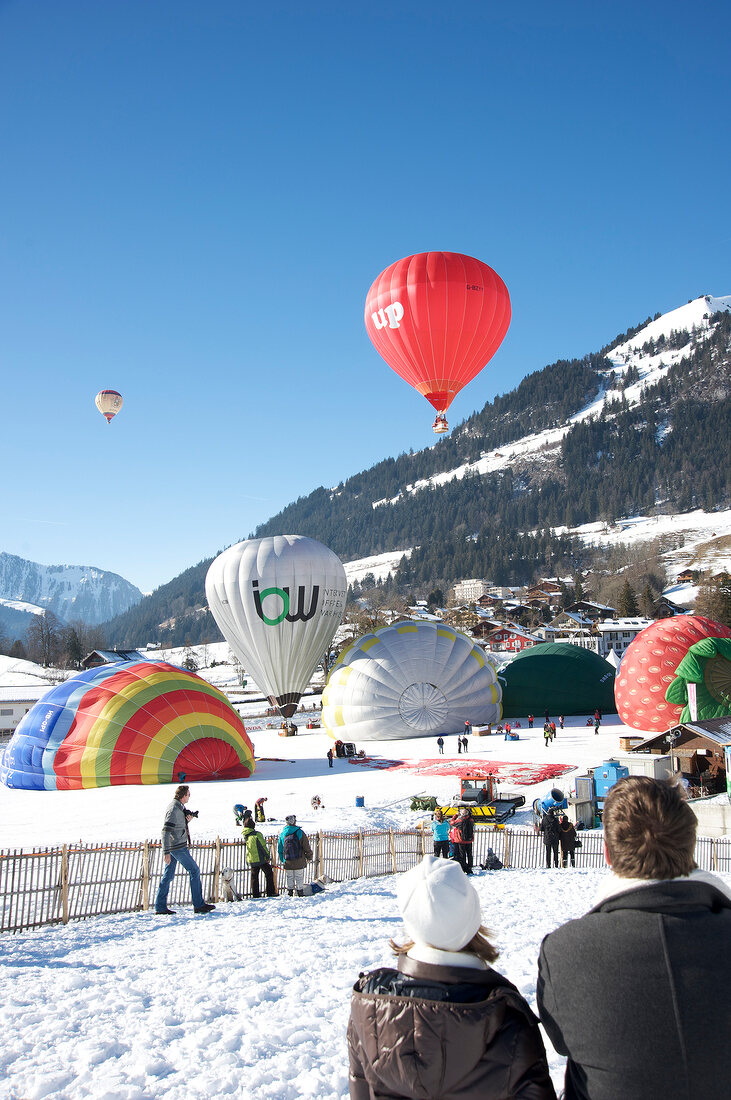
<point x="250" y="1001"/>
<point x="253" y="1000"/>
<point x="289" y="771"/>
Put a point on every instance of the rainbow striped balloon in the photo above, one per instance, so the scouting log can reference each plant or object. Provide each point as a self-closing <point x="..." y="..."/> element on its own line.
<point x="132" y="722"/>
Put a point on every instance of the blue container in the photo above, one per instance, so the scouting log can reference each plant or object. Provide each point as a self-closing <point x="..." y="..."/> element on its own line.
<point x="360" y="800"/>
<point x="606" y="775"/>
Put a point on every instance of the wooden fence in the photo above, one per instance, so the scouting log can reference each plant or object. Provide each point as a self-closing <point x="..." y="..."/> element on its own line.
<point x="56" y="885"/>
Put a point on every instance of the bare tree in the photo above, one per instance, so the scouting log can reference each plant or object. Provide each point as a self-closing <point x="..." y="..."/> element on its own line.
<point x="43" y="637"/>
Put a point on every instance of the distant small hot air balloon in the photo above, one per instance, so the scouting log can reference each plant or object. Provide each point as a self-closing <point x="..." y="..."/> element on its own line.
<point x="437" y="318"/>
<point x="108" y="402"/>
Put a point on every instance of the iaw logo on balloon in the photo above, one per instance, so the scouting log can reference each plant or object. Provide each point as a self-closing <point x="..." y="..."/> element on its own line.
<point x="332" y="599"/>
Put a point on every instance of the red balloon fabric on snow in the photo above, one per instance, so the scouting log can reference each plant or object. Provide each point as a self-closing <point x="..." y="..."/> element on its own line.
<point x="437" y="318"/>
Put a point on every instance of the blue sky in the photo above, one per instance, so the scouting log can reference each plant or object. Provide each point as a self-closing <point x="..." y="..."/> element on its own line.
<point x="196" y="197"/>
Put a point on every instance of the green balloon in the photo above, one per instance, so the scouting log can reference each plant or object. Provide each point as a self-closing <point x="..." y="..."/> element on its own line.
<point x="559" y="678"/>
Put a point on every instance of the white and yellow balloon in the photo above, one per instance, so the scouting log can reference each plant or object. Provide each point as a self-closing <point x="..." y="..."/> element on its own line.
<point x="278" y="602"/>
<point x="412" y="679"/>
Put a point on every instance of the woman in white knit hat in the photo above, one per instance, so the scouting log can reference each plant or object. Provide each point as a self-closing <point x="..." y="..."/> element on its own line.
<point x="443" y="1025"/>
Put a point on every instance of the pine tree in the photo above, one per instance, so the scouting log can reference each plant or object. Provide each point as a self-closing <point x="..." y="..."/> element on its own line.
<point x="627" y="603"/>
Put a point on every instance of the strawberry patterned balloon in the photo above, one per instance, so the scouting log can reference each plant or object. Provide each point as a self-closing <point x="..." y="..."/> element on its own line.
<point x="648" y="668"/>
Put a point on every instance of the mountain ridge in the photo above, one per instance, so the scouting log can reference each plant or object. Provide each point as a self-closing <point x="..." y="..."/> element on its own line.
<point x="71" y="592"/>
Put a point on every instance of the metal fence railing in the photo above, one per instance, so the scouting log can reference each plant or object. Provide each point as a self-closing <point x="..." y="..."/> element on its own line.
<point x="75" y="881"/>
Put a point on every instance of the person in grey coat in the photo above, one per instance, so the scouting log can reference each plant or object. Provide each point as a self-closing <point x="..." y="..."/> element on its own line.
<point x="636" y="992"/>
<point x="175" y="841"/>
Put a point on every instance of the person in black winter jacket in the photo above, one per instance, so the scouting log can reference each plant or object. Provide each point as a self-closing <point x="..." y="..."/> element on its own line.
<point x="567" y="839"/>
<point x="549" y="829"/>
<point x="636" y="992"/>
<point x="443" y="1024"/>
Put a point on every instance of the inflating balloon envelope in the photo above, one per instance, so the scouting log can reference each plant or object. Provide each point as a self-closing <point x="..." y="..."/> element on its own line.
<point x="412" y="679"/>
<point x="278" y="602"/>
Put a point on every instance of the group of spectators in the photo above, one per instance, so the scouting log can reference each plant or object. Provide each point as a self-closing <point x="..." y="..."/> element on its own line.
<point x="293" y="848"/>
<point x="635" y="994"/>
<point x="558" y="832"/>
<point x="453" y="839"/>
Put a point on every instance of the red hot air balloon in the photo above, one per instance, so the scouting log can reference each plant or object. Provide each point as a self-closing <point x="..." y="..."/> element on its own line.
<point x="437" y="318"/>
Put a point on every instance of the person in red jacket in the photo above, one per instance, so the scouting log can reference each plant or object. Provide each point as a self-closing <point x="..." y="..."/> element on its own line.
<point x="443" y="1023"/>
<point x="464" y="834"/>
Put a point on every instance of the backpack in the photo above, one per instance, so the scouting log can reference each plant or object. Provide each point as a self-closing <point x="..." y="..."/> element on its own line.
<point x="455" y="833"/>
<point x="292" y="845"/>
<point x="261" y="849"/>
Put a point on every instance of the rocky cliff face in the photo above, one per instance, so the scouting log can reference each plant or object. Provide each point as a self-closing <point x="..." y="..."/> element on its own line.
<point x="70" y="591"/>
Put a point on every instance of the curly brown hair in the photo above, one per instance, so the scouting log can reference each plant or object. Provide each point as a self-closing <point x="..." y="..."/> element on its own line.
<point x="649" y="829"/>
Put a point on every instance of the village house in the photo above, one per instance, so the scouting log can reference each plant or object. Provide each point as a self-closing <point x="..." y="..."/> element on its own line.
<point x="591" y="610"/>
<point x="111" y="657"/>
<point x="469" y="591"/>
<point x="571" y="627"/>
<point x="618" y="634"/>
<point x="509" y="638"/>
<point x="15" y="702"/>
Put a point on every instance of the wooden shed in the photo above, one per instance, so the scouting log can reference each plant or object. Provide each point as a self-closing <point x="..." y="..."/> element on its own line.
<point x="698" y="752"/>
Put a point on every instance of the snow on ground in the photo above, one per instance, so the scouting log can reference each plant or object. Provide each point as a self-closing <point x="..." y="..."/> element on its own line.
<point x="380" y="565"/>
<point x="15" y="671"/>
<point x="21" y="605"/>
<point x="251" y="1001"/>
<point x="289" y="771"/>
<point x="702" y="539"/>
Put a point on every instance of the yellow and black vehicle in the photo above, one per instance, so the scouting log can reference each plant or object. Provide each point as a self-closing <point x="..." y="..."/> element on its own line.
<point x="479" y="792"/>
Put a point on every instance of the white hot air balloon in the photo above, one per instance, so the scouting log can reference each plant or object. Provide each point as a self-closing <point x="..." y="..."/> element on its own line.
<point x="108" y="402"/>
<point x="278" y="602"/>
<point x="412" y="679"/>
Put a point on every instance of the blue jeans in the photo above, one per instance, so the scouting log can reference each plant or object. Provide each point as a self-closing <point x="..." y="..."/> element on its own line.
<point x="183" y="857"/>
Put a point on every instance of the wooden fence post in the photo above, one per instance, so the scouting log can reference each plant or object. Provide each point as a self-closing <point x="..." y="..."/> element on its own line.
<point x="145" y="876"/>
<point x="393" y="850"/>
<point x="318" y="857"/>
<point x="217" y="869"/>
<point x="506" y="855"/>
<point x="360" y="853"/>
<point x="714" y="855"/>
<point x="65" y="884"/>
<point x="423" y="843"/>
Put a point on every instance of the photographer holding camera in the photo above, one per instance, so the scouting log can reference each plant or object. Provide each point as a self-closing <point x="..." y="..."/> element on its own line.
<point x="175" y="841"/>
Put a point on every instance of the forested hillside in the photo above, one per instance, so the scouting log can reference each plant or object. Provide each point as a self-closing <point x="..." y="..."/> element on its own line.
<point x="669" y="449"/>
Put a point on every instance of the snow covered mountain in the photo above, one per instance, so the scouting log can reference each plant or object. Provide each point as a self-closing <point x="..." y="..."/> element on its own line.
<point x="70" y="591"/>
<point x="645" y="358"/>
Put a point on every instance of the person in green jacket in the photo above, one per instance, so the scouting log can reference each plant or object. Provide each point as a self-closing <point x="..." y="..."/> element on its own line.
<point x="257" y="854"/>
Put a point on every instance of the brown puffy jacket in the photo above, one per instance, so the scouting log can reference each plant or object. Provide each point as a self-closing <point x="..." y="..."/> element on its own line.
<point x="442" y="1033"/>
